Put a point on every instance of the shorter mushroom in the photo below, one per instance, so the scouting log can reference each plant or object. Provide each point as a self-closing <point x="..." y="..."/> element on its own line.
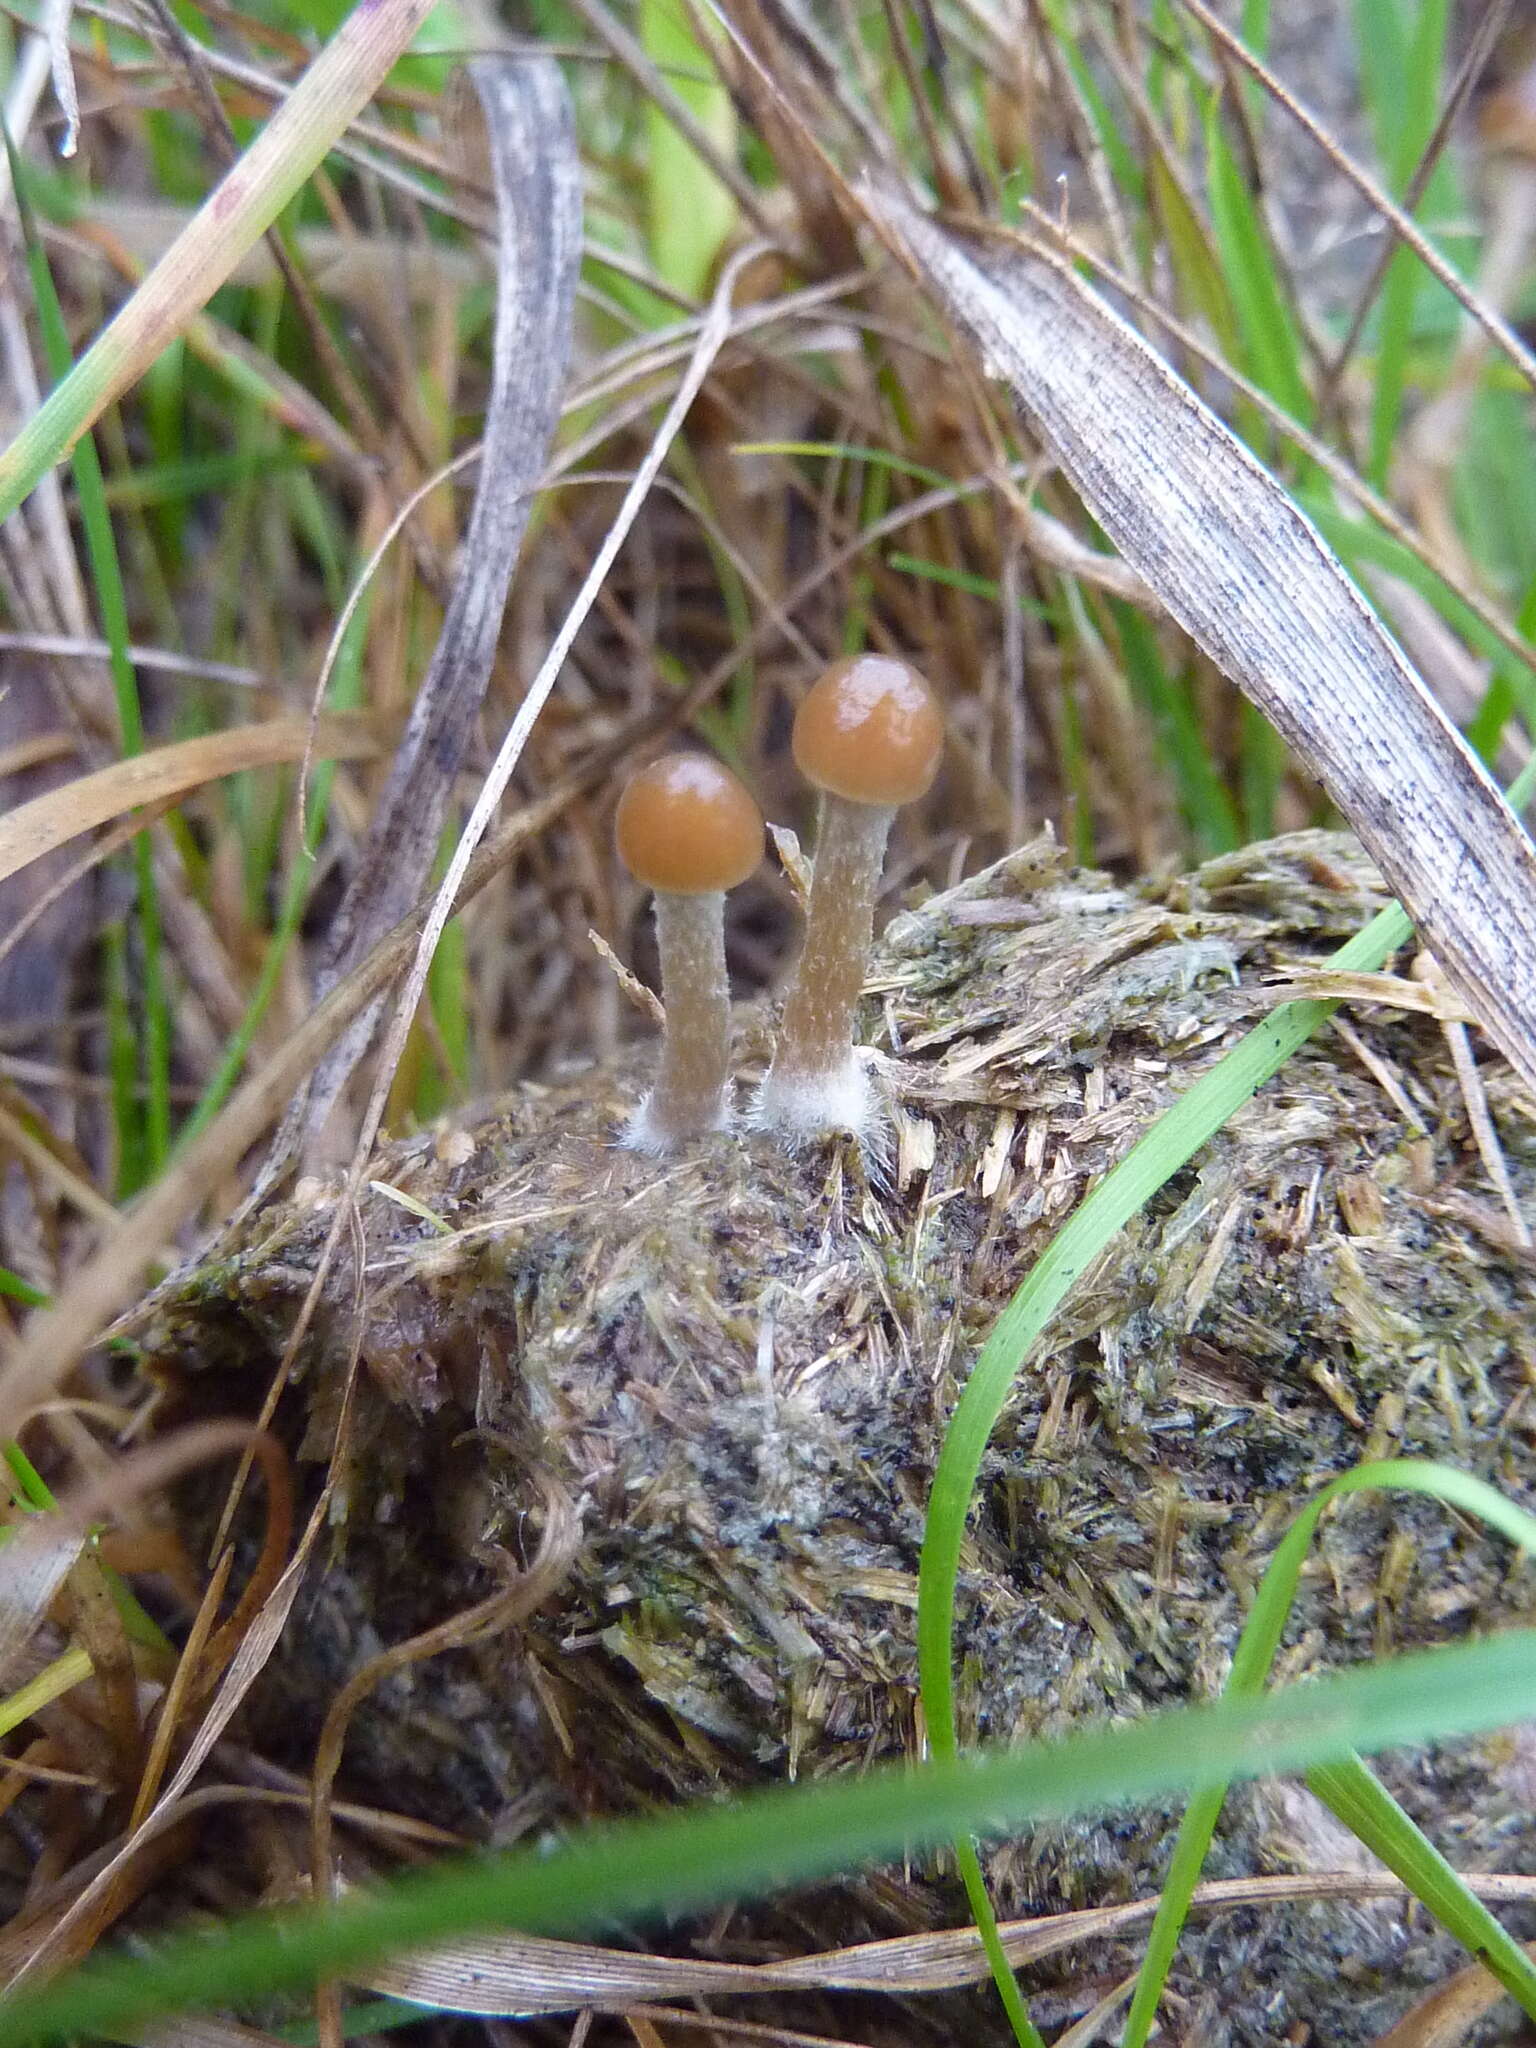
<point x="688" y="830"/>
<point x="869" y="735"/>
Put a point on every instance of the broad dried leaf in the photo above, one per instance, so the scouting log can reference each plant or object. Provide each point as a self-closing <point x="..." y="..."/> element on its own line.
<point x="1254" y="585"/>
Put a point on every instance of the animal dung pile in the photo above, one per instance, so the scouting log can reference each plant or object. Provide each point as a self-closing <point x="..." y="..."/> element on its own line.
<point x="731" y="1368"/>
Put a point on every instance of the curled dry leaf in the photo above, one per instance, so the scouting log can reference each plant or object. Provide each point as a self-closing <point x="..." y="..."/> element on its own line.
<point x="509" y="1975"/>
<point x="1254" y="585"/>
<point x="61" y="814"/>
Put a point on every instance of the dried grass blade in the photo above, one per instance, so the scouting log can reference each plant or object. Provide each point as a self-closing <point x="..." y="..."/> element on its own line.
<point x="1252" y="582"/>
<point x="110" y="1278"/>
<point x="522" y="1974"/>
<point x="537" y="175"/>
<point x="62" y="814"/>
<point x="95" y="1907"/>
<point x="336" y="87"/>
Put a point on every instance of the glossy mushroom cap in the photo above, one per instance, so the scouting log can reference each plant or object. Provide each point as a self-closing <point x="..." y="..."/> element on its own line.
<point x="871" y="731"/>
<point x="686" y="827"/>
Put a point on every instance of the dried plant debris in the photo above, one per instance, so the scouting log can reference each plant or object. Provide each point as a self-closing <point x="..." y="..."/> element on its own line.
<point x="738" y="1366"/>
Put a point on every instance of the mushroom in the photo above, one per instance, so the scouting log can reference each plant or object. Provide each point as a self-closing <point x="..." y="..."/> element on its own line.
<point x="687" y="829"/>
<point x="869" y="735"/>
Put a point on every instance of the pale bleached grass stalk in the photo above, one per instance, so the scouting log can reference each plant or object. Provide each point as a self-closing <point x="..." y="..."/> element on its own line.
<point x="340" y="82"/>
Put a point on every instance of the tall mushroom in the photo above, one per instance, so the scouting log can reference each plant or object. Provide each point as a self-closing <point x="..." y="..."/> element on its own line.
<point x="687" y="829"/>
<point x="869" y="735"/>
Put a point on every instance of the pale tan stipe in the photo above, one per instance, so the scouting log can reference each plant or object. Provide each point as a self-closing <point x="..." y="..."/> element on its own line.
<point x="689" y="1097"/>
<point x="869" y="736"/>
<point x="816" y="1078"/>
<point x="688" y="829"/>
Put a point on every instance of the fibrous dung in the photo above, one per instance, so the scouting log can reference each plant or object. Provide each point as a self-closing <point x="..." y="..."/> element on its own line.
<point x="736" y="1365"/>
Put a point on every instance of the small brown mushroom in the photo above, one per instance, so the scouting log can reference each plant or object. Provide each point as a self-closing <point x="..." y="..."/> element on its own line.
<point x="688" y="830"/>
<point x="869" y="735"/>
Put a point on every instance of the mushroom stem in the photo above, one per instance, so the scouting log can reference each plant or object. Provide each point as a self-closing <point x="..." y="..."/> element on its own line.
<point x="689" y="1097"/>
<point x="816" y="1081"/>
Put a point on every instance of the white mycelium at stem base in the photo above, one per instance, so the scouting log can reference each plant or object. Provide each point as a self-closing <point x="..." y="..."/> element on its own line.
<point x="817" y="1081"/>
<point x="869" y="735"/>
<point x="688" y="830"/>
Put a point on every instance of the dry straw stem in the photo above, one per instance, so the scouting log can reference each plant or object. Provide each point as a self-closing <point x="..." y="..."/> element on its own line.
<point x="531" y="139"/>
<point x="340" y="82"/>
<point x="1252" y="582"/>
<point x="59" y="815"/>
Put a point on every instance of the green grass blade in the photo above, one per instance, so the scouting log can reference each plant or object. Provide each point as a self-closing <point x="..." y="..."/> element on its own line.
<point x="1204" y="800"/>
<point x="959" y="579"/>
<point x="1270" y="341"/>
<point x="1411" y="126"/>
<point x="1176" y="1136"/>
<point x="16" y="1289"/>
<point x="1359" y="1799"/>
<point x="112" y="606"/>
<point x="345" y="693"/>
<point x="786" y="1835"/>
<point x="1191" y="1122"/>
<point x="847" y="451"/>
<point x="1251" y="1666"/>
<point x="691" y="212"/>
<point x="1381" y="41"/>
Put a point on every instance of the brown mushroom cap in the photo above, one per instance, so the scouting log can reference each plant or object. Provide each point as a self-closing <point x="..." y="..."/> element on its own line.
<point x="686" y="827"/>
<point x="870" y="731"/>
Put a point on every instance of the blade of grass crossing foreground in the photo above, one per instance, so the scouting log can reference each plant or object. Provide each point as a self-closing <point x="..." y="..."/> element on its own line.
<point x="787" y="1834"/>
<point x="1176" y="1136"/>
<point x="1348" y="1788"/>
<point x="112" y="608"/>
